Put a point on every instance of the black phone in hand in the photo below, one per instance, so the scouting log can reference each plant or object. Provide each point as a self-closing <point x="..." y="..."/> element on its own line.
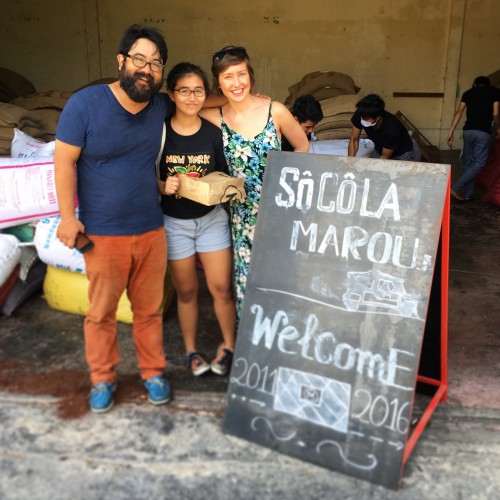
<point x="83" y="243"/>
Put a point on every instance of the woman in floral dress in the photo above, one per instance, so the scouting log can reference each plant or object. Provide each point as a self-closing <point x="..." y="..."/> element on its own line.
<point x="251" y="127"/>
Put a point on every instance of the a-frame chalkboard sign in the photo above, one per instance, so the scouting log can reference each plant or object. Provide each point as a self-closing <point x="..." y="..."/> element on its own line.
<point x="329" y="343"/>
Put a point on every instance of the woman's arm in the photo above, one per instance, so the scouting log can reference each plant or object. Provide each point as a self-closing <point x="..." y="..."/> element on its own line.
<point x="290" y="128"/>
<point x="214" y="101"/>
<point x="211" y="114"/>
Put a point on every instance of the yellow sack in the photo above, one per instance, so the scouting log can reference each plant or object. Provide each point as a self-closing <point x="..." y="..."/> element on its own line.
<point x="68" y="291"/>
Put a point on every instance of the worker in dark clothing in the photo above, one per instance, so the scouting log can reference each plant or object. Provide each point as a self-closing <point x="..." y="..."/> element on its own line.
<point x="307" y="111"/>
<point x="389" y="135"/>
<point x="482" y="104"/>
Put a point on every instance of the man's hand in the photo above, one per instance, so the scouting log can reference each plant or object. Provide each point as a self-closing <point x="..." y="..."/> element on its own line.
<point x="67" y="231"/>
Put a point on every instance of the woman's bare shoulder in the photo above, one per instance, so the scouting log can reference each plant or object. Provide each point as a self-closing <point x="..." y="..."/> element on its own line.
<point x="279" y="108"/>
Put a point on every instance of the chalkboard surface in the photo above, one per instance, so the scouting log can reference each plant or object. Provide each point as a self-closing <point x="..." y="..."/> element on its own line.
<point x="331" y="331"/>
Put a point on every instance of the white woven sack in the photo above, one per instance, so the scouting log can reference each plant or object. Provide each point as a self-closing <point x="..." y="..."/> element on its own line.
<point x="25" y="146"/>
<point x="52" y="251"/>
<point x="10" y="255"/>
<point x="27" y="190"/>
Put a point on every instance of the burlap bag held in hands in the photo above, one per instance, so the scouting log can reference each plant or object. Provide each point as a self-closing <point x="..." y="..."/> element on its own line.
<point x="212" y="189"/>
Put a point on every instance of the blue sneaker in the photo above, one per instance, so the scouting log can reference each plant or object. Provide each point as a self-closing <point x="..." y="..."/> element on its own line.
<point x="101" y="397"/>
<point x="158" y="390"/>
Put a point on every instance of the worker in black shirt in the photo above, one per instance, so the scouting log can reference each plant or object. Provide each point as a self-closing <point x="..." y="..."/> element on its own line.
<point x="307" y="111"/>
<point x="389" y="135"/>
<point x="482" y="104"/>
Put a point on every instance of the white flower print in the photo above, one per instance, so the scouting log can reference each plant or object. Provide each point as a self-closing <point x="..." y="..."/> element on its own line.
<point x="243" y="152"/>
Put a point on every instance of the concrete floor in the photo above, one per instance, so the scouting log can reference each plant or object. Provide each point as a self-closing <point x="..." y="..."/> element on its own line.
<point x="474" y="290"/>
<point x="51" y="447"/>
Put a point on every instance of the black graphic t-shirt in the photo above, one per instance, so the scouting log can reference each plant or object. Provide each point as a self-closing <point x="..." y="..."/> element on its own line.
<point x="194" y="155"/>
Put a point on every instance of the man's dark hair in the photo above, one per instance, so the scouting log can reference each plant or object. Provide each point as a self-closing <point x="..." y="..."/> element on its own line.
<point x="306" y="107"/>
<point x="134" y="32"/>
<point x="371" y="106"/>
<point x="481" y="81"/>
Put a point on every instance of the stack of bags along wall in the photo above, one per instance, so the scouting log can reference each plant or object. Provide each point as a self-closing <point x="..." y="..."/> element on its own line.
<point x="22" y="108"/>
<point x="31" y="255"/>
<point x="337" y="93"/>
<point x="47" y="106"/>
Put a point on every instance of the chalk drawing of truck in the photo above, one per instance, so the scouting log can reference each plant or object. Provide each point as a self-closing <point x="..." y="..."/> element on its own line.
<point x="375" y="289"/>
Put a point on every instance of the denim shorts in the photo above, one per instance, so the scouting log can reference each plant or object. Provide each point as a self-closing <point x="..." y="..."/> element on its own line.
<point x="209" y="233"/>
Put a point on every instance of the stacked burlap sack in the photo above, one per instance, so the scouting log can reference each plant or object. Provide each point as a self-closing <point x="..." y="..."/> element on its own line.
<point x="13" y="117"/>
<point x="337" y="113"/>
<point x="22" y="108"/>
<point x="35" y="114"/>
<point x="48" y="106"/>
<point x="337" y="94"/>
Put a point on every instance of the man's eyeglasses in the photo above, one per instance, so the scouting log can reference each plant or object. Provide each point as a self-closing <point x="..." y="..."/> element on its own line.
<point x="140" y="62"/>
<point x="185" y="92"/>
<point x="233" y="51"/>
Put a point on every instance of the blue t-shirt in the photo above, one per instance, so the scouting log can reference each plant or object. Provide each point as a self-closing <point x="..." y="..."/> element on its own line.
<point x="116" y="179"/>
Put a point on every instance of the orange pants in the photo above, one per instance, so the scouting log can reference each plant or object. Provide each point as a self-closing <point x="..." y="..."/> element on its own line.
<point x="136" y="263"/>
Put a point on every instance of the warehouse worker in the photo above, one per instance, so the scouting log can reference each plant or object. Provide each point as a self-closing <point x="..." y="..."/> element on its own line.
<point x="482" y="104"/>
<point x="308" y="113"/>
<point x="389" y="135"/>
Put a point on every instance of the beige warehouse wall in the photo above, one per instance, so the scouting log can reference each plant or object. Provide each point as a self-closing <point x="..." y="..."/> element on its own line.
<point x="387" y="46"/>
<point x="480" y="51"/>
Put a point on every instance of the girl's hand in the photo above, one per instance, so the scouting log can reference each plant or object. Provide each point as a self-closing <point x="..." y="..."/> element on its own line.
<point x="172" y="185"/>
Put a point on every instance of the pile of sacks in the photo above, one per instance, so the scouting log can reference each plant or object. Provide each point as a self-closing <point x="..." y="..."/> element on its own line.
<point x="35" y="114"/>
<point x="11" y="118"/>
<point x="47" y="106"/>
<point x="337" y="93"/>
<point x="337" y="113"/>
<point x="22" y="108"/>
<point x="31" y="255"/>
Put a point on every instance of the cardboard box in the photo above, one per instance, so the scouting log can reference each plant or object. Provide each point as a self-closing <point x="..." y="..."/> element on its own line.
<point x="212" y="189"/>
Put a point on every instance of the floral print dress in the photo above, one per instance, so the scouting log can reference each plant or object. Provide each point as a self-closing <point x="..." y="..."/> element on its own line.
<point x="246" y="158"/>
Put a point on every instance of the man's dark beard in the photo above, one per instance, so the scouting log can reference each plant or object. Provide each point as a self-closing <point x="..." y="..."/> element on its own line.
<point x="138" y="94"/>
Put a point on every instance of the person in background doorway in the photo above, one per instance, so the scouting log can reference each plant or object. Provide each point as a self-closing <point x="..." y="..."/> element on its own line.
<point x="113" y="134"/>
<point x="482" y="104"/>
<point x="251" y="127"/>
<point x="193" y="146"/>
<point x="389" y="135"/>
<point x="308" y="113"/>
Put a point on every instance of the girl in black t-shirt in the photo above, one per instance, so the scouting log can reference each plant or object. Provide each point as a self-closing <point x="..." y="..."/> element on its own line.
<point x="193" y="147"/>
